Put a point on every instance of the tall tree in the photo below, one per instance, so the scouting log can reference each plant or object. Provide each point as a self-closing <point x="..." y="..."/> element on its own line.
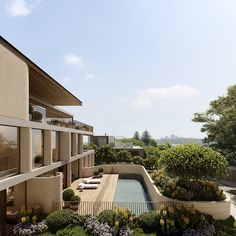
<point x="136" y="135"/>
<point x="219" y="124"/>
<point x="146" y="137"/>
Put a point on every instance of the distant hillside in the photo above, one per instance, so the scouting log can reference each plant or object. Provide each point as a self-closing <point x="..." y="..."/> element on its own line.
<point x="173" y="139"/>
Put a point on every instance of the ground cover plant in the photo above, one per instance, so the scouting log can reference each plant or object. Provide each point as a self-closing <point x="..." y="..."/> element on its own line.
<point x="177" y="220"/>
<point x="31" y="221"/>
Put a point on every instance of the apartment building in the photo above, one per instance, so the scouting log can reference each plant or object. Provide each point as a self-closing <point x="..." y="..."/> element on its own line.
<point x="41" y="146"/>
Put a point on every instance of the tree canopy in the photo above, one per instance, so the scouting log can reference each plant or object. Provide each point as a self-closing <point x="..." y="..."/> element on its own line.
<point x="146" y="137"/>
<point x="136" y="135"/>
<point x="219" y="124"/>
<point x="193" y="161"/>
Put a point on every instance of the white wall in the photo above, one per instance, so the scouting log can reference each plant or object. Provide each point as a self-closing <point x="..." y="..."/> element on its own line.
<point x="14" y="85"/>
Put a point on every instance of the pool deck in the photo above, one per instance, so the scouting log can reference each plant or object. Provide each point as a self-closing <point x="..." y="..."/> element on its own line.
<point x="104" y="193"/>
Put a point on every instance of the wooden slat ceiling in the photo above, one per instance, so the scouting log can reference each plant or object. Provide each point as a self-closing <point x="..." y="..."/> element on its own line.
<point x="48" y="90"/>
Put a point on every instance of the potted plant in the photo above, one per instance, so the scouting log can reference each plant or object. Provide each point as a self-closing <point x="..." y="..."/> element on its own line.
<point x="95" y="173"/>
<point x="100" y="172"/>
<point x="67" y="196"/>
<point x="74" y="202"/>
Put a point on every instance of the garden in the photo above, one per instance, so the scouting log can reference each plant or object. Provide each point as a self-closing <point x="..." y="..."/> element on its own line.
<point x="177" y="219"/>
<point x="185" y="172"/>
<point x="191" y="173"/>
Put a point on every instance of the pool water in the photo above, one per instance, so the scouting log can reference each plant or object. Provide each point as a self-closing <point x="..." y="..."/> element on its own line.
<point x="131" y="193"/>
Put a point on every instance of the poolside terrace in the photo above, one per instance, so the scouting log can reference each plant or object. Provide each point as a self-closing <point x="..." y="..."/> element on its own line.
<point x="104" y="193"/>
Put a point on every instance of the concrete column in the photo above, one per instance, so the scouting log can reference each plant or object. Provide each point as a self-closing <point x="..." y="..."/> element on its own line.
<point x="80" y="167"/>
<point x="75" y="169"/>
<point x="92" y="159"/>
<point x="69" y="175"/>
<point x="25" y="150"/>
<point x="19" y="193"/>
<point x="47" y="144"/>
<point x="65" y="147"/>
<point x="80" y="143"/>
<point x="74" y="144"/>
<point x="3" y="212"/>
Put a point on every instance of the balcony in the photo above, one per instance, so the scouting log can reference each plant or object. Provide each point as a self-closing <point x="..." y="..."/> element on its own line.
<point x="39" y="112"/>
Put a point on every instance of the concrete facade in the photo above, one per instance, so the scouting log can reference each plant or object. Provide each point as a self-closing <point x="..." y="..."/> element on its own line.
<point x="41" y="184"/>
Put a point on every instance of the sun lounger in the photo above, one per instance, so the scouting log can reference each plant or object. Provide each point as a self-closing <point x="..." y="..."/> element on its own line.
<point x="91" y="181"/>
<point x="87" y="186"/>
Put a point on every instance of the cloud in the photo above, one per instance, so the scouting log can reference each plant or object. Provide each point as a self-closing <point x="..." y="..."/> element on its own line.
<point x="74" y="60"/>
<point x="140" y="102"/>
<point x="90" y="76"/>
<point x="66" y="79"/>
<point x="177" y="91"/>
<point x="18" y="8"/>
<point x="147" y="96"/>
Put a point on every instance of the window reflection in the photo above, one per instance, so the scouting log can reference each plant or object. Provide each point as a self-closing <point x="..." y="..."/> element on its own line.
<point x="37" y="147"/>
<point x="9" y="151"/>
<point x="55" y="146"/>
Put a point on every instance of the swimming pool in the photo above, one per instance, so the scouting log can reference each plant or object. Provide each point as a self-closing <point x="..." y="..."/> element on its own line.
<point x="131" y="193"/>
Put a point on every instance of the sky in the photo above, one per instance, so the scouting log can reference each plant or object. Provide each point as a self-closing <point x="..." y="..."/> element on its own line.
<point x="135" y="64"/>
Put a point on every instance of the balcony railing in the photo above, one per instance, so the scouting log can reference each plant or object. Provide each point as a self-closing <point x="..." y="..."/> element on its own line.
<point x="94" y="208"/>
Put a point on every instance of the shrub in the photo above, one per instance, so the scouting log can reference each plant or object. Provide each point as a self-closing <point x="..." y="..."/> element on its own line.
<point x="124" y="156"/>
<point x="180" y="217"/>
<point x="149" y="220"/>
<point x="75" y="200"/>
<point x="95" y="228"/>
<point x="74" y="231"/>
<point x="61" y="219"/>
<point x="107" y="216"/>
<point x="124" y="218"/>
<point x="226" y="227"/>
<point x="150" y="163"/>
<point x="30" y="229"/>
<point x="187" y="189"/>
<point x="204" y="229"/>
<point x="137" y="160"/>
<point x="100" y="170"/>
<point x="193" y="161"/>
<point x="32" y="214"/>
<point x="68" y="194"/>
<point x="105" y="154"/>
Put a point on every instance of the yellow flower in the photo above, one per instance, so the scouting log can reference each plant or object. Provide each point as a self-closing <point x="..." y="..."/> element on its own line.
<point x="34" y="218"/>
<point x="203" y="218"/>
<point x="29" y="210"/>
<point x="234" y="224"/>
<point x="131" y="218"/>
<point x="162" y="222"/>
<point x="170" y="209"/>
<point x="164" y="212"/>
<point x="117" y="223"/>
<point x="186" y="220"/>
<point x="23" y="220"/>
<point x="125" y="215"/>
<point x="121" y="210"/>
<point x="158" y="212"/>
<point x="172" y="222"/>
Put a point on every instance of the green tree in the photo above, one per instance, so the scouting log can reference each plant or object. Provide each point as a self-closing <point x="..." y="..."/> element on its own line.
<point x="136" y="135"/>
<point x="124" y="156"/>
<point x="193" y="161"/>
<point x="137" y="160"/>
<point x="153" y="142"/>
<point x="219" y="124"/>
<point x="105" y="154"/>
<point x="146" y="137"/>
<point x="150" y="163"/>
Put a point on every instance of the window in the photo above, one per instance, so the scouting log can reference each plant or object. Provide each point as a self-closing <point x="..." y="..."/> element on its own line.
<point x="37" y="147"/>
<point x="9" y="151"/>
<point x="55" y="146"/>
